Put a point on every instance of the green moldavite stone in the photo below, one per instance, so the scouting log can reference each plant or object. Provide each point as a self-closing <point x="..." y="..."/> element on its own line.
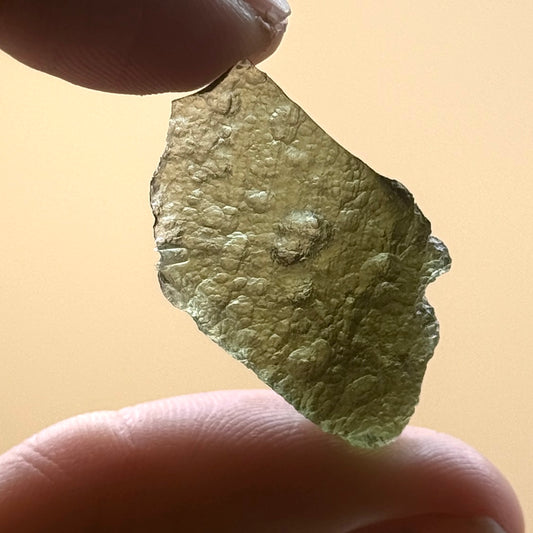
<point x="296" y="257"/>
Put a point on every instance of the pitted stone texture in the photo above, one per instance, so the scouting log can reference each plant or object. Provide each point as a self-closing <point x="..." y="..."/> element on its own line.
<point x="296" y="257"/>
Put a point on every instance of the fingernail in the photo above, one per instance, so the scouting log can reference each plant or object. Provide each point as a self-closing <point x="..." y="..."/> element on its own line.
<point x="273" y="12"/>
<point x="437" y="524"/>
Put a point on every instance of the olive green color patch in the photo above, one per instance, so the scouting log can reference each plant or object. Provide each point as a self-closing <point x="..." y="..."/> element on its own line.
<point x="296" y="257"/>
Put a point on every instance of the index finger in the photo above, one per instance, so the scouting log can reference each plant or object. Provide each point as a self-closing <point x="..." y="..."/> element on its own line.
<point x="138" y="47"/>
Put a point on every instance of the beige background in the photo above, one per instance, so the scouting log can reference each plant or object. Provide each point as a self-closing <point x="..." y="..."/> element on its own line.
<point x="436" y="94"/>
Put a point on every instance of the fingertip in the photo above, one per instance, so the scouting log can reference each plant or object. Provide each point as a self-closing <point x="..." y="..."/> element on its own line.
<point x="465" y="477"/>
<point x="273" y="15"/>
<point x="130" y="46"/>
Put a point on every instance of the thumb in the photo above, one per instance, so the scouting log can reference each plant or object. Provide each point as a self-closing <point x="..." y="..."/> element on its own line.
<point x="238" y="461"/>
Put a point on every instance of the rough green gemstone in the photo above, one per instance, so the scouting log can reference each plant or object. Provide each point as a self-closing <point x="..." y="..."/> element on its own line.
<point x="296" y="257"/>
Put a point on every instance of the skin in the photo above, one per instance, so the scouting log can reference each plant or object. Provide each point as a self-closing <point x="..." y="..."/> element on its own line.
<point x="222" y="461"/>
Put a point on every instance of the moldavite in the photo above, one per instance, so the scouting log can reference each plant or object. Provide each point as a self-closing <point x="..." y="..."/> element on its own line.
<point x="296" y="257"/>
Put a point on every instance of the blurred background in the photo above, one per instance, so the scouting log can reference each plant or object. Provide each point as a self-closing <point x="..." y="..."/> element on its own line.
<point x="438" y="95"/>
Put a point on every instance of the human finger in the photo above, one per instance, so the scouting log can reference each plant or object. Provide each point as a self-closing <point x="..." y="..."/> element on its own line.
<point x="134" y="46"/>
<point x="241" y="461"/>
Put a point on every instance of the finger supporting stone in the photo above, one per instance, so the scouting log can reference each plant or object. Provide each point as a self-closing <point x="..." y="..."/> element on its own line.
<point x="238" y="461"/>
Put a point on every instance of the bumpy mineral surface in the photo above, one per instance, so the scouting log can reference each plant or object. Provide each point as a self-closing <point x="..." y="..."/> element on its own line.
<point x="296" y="257"/>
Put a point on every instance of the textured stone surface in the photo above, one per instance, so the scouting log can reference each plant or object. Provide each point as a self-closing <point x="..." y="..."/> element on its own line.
<point x="296" y="257"/>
